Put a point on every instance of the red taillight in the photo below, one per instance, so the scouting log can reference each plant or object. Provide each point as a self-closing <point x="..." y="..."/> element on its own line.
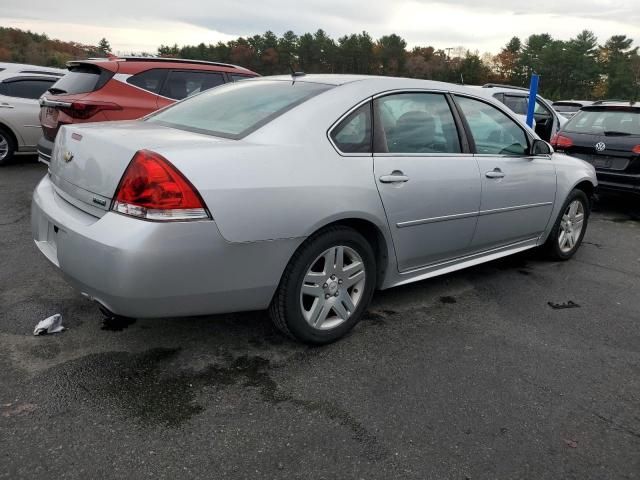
<point x="560" y="141"/>
<point x="636" y="149"/>
<point x="84" y="109"/>
<point x="153" y="189"/>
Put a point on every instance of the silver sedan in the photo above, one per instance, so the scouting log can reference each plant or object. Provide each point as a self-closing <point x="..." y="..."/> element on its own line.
<point x="303" y="195"/>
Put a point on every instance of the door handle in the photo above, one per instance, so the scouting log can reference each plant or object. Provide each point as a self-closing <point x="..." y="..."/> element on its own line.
<point x="396" y="177"/>
<point x="495" y="173"/>
<point x="5" y="105"/>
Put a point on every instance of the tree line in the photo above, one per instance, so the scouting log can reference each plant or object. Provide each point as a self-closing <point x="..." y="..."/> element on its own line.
<point x="22" y="46"/>
<point x="580" y="68"/>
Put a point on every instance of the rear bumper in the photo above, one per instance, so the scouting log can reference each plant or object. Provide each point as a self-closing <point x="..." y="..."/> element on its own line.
<point x="147" y="269"/>
<point x="618" y="182"/>
<point x="45" y="147"/>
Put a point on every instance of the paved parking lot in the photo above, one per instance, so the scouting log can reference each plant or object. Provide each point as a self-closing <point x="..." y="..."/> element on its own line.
<point x="471" y="375"/>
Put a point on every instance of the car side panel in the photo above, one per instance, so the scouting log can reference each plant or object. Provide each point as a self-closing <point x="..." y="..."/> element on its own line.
<point x="24" y="116"/>
<point x="260" y="192"/>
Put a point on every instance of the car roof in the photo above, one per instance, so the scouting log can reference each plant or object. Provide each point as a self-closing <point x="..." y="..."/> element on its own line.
<point x="6" y="76"/>
<point x="569" y="103"/>
<point x="10" y="67"/>
<point x="382" y="81"/>
<point x="113" y="62"/>
<point x="625" y="106"/>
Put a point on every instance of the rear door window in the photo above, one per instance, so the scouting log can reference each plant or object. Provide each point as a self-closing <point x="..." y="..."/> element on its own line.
<point x="149" y="80"/>
<point x="415" y="123"/>
<point x="185" y="83"/>
<point x="26" y="88"/>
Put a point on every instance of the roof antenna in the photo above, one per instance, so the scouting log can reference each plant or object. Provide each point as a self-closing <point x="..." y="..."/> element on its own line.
<point x="295" y="74"/>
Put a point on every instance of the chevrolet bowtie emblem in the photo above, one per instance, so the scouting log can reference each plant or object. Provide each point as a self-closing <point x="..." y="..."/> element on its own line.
<point x="68" y="156"/>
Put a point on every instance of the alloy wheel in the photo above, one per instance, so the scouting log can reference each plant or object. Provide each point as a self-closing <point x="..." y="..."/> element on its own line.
<point x="332" y="287"/>
<point x="4" y="147"/>
<point x="571" y="226"/>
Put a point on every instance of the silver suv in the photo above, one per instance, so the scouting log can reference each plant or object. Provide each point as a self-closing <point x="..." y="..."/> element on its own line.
<point x="547" y="120"/>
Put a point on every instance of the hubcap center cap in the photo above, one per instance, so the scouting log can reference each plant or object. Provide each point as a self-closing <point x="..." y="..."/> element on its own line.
<point x="332" y="287"/>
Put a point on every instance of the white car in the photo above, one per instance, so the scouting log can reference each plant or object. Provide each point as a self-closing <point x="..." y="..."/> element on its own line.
<point x="9" y="67"/>
<point x="20" y="88"/>
<point x="547" y="122"/>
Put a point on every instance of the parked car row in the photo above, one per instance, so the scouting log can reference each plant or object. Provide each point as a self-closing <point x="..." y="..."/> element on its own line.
<point x="125" y="88"/>
<point x="301" y="194"/>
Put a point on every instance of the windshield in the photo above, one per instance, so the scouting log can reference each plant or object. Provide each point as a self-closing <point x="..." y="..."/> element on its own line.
<point x="237" y="109"/>
<point x="605" y="122"/>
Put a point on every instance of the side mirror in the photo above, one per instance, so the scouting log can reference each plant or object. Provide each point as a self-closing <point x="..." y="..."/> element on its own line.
<point x="540" y="147"/>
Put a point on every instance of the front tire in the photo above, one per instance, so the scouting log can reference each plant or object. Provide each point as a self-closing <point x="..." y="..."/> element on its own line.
<point x="570" y="227"/>
<point x="7" y="147"/>
<point x="326" y="287"/>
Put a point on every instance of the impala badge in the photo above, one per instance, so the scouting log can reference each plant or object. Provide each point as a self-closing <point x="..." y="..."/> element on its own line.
<point x="600" y="146"/>
<point x="68" y="156"/>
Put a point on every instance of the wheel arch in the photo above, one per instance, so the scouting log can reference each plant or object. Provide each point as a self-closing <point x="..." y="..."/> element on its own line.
<point x="7" y="128"/>
<point x="587" y="187"/>
<point x="372" y="232"/>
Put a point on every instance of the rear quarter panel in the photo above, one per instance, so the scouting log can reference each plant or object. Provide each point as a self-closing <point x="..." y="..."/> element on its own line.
<point x="268" y="192"/>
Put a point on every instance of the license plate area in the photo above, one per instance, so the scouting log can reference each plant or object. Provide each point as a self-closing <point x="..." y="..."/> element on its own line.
<point x="50" y="117"/>
<point x="600" y="162"/>
<point x="47" y="239"/>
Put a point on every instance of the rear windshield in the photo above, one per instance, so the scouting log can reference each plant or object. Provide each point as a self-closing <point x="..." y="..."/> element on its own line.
<point x="237" y="109"/>
<point x="605" y="122"/>
<point x="566" y="107"/>
<point x="81" y="79"/>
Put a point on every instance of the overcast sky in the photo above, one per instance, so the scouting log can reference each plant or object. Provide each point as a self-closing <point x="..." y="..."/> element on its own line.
<point x="485" y="25"/>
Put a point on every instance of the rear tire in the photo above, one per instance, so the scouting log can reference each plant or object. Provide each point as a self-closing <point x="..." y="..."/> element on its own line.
<point x="326" y="287"/>
<point x="570" y="227"/>
<point x="7" y="147"/>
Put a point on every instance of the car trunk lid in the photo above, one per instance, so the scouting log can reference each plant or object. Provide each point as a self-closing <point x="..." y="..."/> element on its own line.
<point x="89" y="160"/>
<point x="609" y="152"/>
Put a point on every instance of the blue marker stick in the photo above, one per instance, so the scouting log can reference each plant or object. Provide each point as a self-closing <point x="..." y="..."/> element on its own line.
<point x="533" y="93"/>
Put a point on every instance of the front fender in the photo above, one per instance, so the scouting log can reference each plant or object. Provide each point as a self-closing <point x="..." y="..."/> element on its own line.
<point x="570" y="172"/>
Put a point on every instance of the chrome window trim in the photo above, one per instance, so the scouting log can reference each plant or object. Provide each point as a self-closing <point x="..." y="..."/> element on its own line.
<point x="421" y="155"/>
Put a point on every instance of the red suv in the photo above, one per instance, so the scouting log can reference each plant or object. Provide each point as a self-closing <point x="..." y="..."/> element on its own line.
<point x="125" y="88"/>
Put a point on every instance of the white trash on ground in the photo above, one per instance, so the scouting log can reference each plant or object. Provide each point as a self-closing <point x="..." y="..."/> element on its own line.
<point x="53" y="324"/>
